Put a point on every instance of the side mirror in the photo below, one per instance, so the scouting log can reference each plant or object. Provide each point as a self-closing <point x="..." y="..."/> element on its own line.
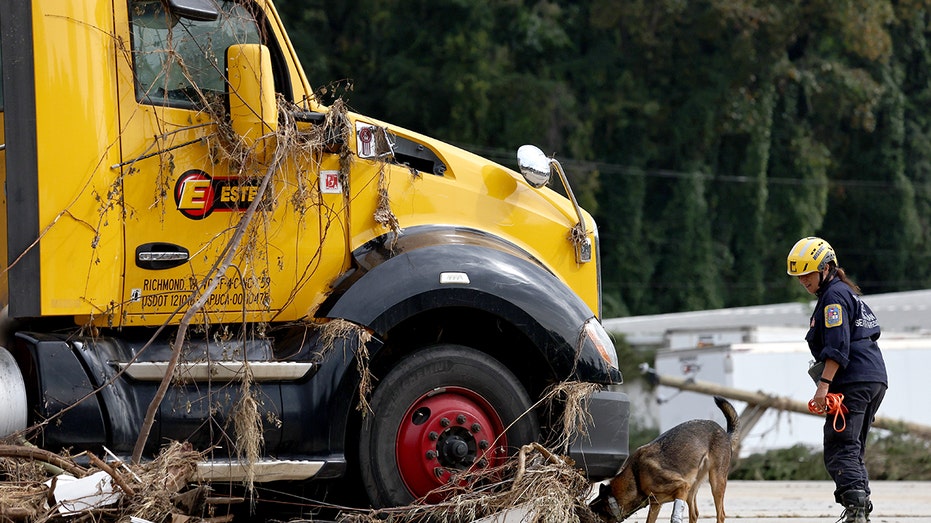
<point x="253" y="110"/>
<point x="534" y="165"/>
<point x="202" y="10"/>
<point x="536" y="168"/>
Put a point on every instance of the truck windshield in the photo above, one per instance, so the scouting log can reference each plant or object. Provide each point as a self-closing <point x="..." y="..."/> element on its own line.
<point x="181" y="62"/>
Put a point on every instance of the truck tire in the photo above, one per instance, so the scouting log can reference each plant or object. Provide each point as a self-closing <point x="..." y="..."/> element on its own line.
<point x="442" y="410"/>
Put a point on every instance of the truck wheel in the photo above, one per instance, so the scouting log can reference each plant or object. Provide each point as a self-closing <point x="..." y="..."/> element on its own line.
<point x="441" y="411"/>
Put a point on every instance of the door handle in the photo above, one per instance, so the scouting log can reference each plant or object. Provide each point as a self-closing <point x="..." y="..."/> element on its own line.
<point x="159" y="255"/>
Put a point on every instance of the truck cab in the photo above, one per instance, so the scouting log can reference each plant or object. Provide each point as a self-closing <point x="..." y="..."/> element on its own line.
<point x="185" y="228"/>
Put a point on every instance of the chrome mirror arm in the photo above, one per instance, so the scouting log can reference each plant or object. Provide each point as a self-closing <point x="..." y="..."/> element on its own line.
<point x="578" y="235"/>
<point x="537" y="169"/>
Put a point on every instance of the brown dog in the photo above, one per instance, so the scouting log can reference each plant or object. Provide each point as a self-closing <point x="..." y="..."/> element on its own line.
<point x="670" y="468"/>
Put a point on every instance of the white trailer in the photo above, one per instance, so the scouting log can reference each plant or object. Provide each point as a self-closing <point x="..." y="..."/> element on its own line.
<point x="776" y="367"/>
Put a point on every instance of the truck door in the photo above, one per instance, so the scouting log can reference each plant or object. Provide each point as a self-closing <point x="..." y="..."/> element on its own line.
<point x="187" y="181"/>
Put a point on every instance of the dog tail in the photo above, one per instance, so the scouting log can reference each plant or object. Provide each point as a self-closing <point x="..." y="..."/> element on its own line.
<point x="730" y="414"/>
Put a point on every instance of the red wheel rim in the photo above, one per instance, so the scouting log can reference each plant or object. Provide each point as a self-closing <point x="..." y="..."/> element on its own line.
<point x="443" y="432"/>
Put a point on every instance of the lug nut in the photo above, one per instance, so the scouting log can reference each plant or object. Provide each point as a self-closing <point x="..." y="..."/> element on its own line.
<point x="433" y="436"/>
<point x="476" y="428"/>
<point x="444" y="422"/>
<point x="483" y="444"/>
<point x="483" y="463"/>
<point x="461" y="419"/>
<point x="431" y="454"/>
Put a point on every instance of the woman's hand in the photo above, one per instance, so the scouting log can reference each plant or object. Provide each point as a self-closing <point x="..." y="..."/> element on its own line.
<point x="820" y="398"/>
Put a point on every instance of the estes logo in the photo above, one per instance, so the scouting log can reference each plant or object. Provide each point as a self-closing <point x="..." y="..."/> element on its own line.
<point x="198" y="195"/>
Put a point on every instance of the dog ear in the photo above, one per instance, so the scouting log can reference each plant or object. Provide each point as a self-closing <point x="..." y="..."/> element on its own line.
<point x="604" y="490"/>
<point x="599" y="506"/>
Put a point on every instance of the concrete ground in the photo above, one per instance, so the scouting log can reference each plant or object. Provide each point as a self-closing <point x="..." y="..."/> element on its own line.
<point x="787" y="502"/>
<point x="807" y="502"/>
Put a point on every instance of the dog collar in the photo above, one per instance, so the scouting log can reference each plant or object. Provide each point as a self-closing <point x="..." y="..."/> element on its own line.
<point x="615" y="509"/>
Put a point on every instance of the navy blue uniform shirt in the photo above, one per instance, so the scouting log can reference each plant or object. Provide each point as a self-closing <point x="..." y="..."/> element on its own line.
<point x="844" y="329"/>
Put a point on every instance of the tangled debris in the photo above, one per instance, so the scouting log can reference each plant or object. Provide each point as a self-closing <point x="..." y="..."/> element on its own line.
<point x="40" y="486"/>
<point x="542" y="486"/>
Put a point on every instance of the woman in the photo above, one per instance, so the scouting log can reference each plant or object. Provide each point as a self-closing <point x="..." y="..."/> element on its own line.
<point x="842" y="337"/>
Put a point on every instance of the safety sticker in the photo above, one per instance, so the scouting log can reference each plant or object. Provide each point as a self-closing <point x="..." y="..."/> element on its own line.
<point x="330" y="183"/>
<point x="833" y="315"/>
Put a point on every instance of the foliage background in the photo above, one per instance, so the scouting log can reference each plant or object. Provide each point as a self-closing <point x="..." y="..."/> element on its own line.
<point x="891" y="456"/>
<point x="706" y="136"/>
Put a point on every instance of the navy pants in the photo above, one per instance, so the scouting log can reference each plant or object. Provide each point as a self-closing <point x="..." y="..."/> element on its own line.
<point x="844" y="451"/>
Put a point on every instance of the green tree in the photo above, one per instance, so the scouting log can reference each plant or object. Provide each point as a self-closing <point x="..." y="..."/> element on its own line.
<point x="687" y="260"/>
<point x="707" y="136"/>
<point x="913" y="54"/>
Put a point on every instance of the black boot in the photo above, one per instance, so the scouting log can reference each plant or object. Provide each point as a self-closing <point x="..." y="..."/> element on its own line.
<point x="857" y="506"/>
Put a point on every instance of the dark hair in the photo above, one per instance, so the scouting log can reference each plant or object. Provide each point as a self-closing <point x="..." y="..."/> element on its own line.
<point x="844" y="278"/>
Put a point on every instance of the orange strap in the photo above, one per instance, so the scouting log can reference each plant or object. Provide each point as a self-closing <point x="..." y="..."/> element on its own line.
<point x="834" y="404"/>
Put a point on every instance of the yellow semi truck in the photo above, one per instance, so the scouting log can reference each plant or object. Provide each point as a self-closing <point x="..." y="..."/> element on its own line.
<point x="178" y="203"/>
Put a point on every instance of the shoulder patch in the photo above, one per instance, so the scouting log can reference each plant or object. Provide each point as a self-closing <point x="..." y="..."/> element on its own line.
<point x="833" y="315"/>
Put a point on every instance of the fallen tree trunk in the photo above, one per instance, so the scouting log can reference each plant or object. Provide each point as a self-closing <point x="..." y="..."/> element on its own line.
<point x="769" y="401"/>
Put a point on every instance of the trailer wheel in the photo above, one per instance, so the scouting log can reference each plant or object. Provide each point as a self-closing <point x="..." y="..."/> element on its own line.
<point x="440" y="412"/>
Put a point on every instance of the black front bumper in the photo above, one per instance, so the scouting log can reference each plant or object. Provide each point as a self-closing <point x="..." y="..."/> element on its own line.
<point x="602" y="448"/>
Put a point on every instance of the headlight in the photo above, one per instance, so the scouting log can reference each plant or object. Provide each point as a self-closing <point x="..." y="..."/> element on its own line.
<point x="601" y="340"/>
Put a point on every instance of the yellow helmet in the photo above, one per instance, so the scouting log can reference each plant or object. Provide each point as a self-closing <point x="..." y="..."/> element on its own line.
<point x="809" y="255"/>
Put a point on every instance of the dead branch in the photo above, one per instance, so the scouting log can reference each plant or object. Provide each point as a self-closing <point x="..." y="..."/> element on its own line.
<point x="117" y="478"/>
<point x="219" y="269"/>
<point x="41" y="455"/>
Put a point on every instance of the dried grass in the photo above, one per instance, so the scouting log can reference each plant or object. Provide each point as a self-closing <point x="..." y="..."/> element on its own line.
<point x="544" y="487"/>
<point x="344" y="330"/>
<point x="148" y="489"/>
<point x="247" y="421"/>
<point x="28" y="497"/>
<point x="572" y="397"/>
<point x="20" y="471"/>
<point x="157" y="481"/>
<point x="383" y="213"/>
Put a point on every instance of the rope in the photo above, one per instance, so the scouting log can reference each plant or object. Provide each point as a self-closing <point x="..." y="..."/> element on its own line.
<point x="834" y="404"/>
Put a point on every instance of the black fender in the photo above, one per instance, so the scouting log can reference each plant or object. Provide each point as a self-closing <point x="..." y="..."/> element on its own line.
<point x="399" y="277"/>
<point x="57" y="386"/>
